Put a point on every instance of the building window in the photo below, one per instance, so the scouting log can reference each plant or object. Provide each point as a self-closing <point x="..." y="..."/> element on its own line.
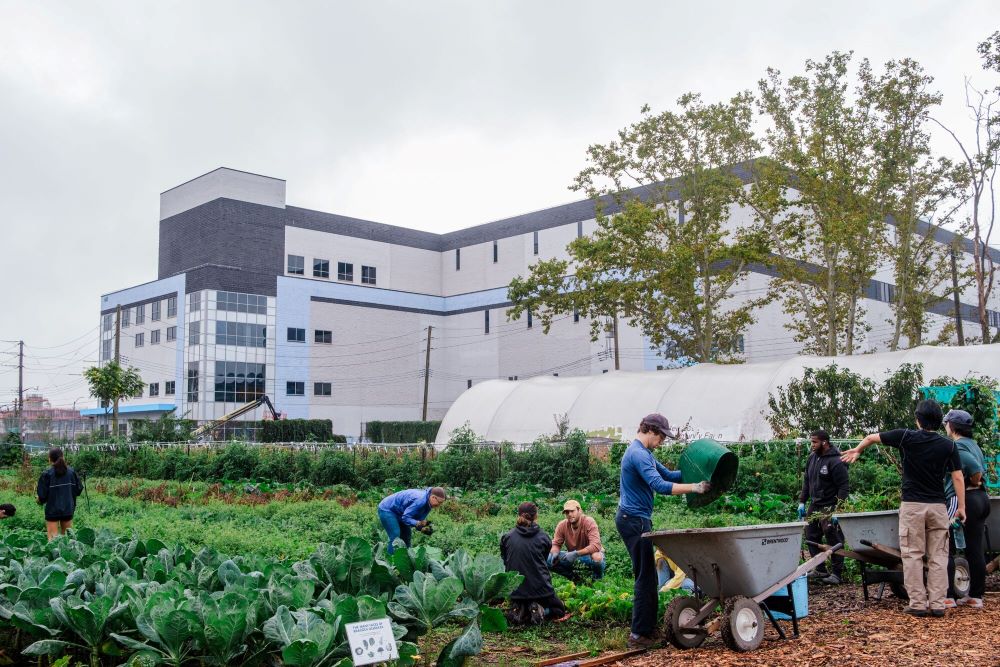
<point x="322" y="388"/>
<point x="106" y="349"/>
<point x="195" y="302"/>
<point x="458" y="259"/>
<point x="154" y="337"/>
<point x="168" y="388"/>
<point x="140" y="339"/>
<point x="171" y="334"/>
<point x="295" y="388"/>
<point x="107" y="322"/>
<point x="322" y="336"/>
<point x="345" y="271"/>
<point x="486" y="321"/>
<point x="138" y="394"/>
<point x="535" y="242"/>
<point x="172" y="306"/>
<point x="237" y="302"/>
<point x="155" y="314"/>
<point x="496" y="253"/>
<point x="297" y="265"/>
<point x="154" y="389"/>
<point x="140" y="314"/>
<point x="296" y="335"/>
<point x="530" y="322"/>
<point x="367" y="275"/>
<point x="576" y="314"/>
<point x="468" y="384"/>
<point x="241" y="334"/>
<point x="194" y="333"/>
<point x="238" y="382"/>
<point x="579" y="229"/>
<point x="126" y="312"/>
<point x="192" y="382"/>
<point x="321" y="268"/>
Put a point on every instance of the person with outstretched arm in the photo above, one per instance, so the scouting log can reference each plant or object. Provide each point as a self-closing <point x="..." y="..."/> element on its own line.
<point x="923" y="514"/>
<point x="405" y="510"/>
<point x="642" y="476"/>
<point x="824" y="485"/>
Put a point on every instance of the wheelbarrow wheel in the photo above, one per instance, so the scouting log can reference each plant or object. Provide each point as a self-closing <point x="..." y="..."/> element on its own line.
<point x="742" y="624"/>
<point x="961" y="581"/>
<point x="682" y="610"/>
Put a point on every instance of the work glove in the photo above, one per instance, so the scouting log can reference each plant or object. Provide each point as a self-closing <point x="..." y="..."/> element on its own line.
<point x="551" y="560"/>
<point x="701" y="487"/>
<point x="570" y="557"/>
<point x="802" y="511"/>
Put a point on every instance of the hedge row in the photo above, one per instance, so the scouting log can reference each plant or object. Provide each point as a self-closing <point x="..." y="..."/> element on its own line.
<point x="396" y="432"/>
<point x="299" y="430"/>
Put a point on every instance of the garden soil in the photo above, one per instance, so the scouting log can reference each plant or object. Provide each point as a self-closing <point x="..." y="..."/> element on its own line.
<point x="842" y="631"/>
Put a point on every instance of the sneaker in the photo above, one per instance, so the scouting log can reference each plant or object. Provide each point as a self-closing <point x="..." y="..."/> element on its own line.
<point x="536" y="614"/>
<point x="919" y="613"/>
<point x="832" y="579"/>
<point x="638" y="641"/>
<point x="971" y="603"/>
<point x="949" y="603"/>
<point x="816" y="574"/>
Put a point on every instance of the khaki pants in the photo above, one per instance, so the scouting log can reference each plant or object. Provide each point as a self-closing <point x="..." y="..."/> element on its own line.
<point x="923" y="532"/>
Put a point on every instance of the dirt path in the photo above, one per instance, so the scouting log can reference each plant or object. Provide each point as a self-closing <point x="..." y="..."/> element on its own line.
<point x="840" y="630"/>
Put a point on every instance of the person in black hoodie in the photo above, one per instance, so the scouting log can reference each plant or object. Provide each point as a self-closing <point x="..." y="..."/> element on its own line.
<point x="524" y="550"/>
<point x="58" y="488"/>
<point x="825" y="485"/>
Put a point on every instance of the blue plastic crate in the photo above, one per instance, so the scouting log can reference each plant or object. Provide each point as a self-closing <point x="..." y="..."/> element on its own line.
<point x="800" y="589"/>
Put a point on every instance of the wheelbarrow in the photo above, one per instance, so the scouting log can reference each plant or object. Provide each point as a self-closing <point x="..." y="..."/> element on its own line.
<point x="993" y="536"/>
<point x="872" y="539"/>
<point x="739" y="569"/>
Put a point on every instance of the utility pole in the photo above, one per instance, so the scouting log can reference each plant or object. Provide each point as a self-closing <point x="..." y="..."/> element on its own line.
<point x="118" y="335"/>
<point x="958" y="302"/>
<point x="614" y="326"/>
<point x="427" y="371"/>
<point x="20" y="390"/>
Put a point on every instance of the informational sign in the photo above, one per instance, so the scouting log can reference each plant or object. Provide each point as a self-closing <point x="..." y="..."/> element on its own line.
<point x="371" y="641"/>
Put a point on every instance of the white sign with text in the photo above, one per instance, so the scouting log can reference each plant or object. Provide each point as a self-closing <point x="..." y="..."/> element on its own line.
<point x="371" y="641"/>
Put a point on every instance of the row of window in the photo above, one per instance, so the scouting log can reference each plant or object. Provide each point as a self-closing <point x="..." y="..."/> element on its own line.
<point x="154" y="337"/>
<point x="531" y="320"/>
<point x="237" y="302"/>
<point x="496" y="248"/>
<point x="296" y="335"/>
<point x="154" y="388"/>
<point x="299" y="388"/>
<point x="321" y="269"/>
<point x="140" y="313"/>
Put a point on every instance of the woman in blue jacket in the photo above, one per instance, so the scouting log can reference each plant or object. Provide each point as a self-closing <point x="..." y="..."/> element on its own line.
<point x="408" y="509"/>
<point x="58" y="488"/>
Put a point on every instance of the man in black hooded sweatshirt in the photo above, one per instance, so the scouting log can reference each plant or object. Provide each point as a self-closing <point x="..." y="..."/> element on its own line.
<point x="524" y="550"/>
<point x="825" y="484"/>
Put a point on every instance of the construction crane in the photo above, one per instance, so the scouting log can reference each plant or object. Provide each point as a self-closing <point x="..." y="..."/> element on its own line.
<point x="242" y="410"/>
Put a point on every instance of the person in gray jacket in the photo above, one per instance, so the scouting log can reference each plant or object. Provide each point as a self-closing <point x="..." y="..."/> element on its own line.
<point x="58" y="488"/>
<point x="824" y="485"/>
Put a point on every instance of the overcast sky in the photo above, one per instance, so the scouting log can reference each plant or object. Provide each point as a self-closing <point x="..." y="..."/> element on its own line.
<point x="432" y="115"/>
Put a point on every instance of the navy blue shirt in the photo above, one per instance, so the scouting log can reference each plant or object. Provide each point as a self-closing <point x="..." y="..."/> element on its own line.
<point x="641" y="475"/>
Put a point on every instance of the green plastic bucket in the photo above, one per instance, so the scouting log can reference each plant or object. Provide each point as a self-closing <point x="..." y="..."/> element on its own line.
<point x="707" y="459"/>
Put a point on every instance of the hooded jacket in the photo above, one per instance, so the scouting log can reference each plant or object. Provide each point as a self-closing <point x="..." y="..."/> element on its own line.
<point x="825" y="480"/>
<point x="59" y="493"/>
<point x="524" y="550"/>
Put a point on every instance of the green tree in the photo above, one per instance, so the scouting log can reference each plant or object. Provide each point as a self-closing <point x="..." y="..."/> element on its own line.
<point x="666" y="259"/>
<point x="112" y="383"/>
<point x="921" y="193"/>
<point x="815" y="197"/>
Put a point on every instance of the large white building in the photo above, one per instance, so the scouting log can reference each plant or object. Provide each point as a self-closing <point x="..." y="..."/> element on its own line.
<point x="329" y="315"/>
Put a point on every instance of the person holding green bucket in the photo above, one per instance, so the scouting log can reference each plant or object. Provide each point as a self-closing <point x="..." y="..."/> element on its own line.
<point x="642" y="476"/>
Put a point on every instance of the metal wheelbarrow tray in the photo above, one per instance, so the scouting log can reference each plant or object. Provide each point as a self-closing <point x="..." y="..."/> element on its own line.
<point x="738" y="568"/>
<point x="872" y="538"/>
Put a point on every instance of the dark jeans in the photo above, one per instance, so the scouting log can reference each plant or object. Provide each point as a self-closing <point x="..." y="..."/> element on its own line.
<point x="394" y="528"/>
<point x="645" y="598"/>
<point x="817" y="530"/>
<point x="568" y="570"/>
<point x="977" y="508"/>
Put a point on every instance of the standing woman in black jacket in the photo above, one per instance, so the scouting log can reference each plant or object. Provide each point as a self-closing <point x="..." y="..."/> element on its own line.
<point x="58" y="488"/>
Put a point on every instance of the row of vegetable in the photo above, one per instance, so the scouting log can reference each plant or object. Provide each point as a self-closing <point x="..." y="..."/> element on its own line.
<point x="111" y="600"/>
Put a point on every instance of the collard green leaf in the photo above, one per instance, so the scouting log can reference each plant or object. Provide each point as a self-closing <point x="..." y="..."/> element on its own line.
<point x="467" y="644"/>
<point x="426" y="599"/>
<point x="47" y="647"/>
<point x="301" y="652"/>
<point x="492" y="619"/>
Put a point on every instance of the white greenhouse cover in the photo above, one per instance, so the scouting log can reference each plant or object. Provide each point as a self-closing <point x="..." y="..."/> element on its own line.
<point x="726" y="402"/>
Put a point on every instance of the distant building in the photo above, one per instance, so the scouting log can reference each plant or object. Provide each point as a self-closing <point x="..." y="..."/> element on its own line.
<point x="44" y="423"/>
<point x="328" y="315"/>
